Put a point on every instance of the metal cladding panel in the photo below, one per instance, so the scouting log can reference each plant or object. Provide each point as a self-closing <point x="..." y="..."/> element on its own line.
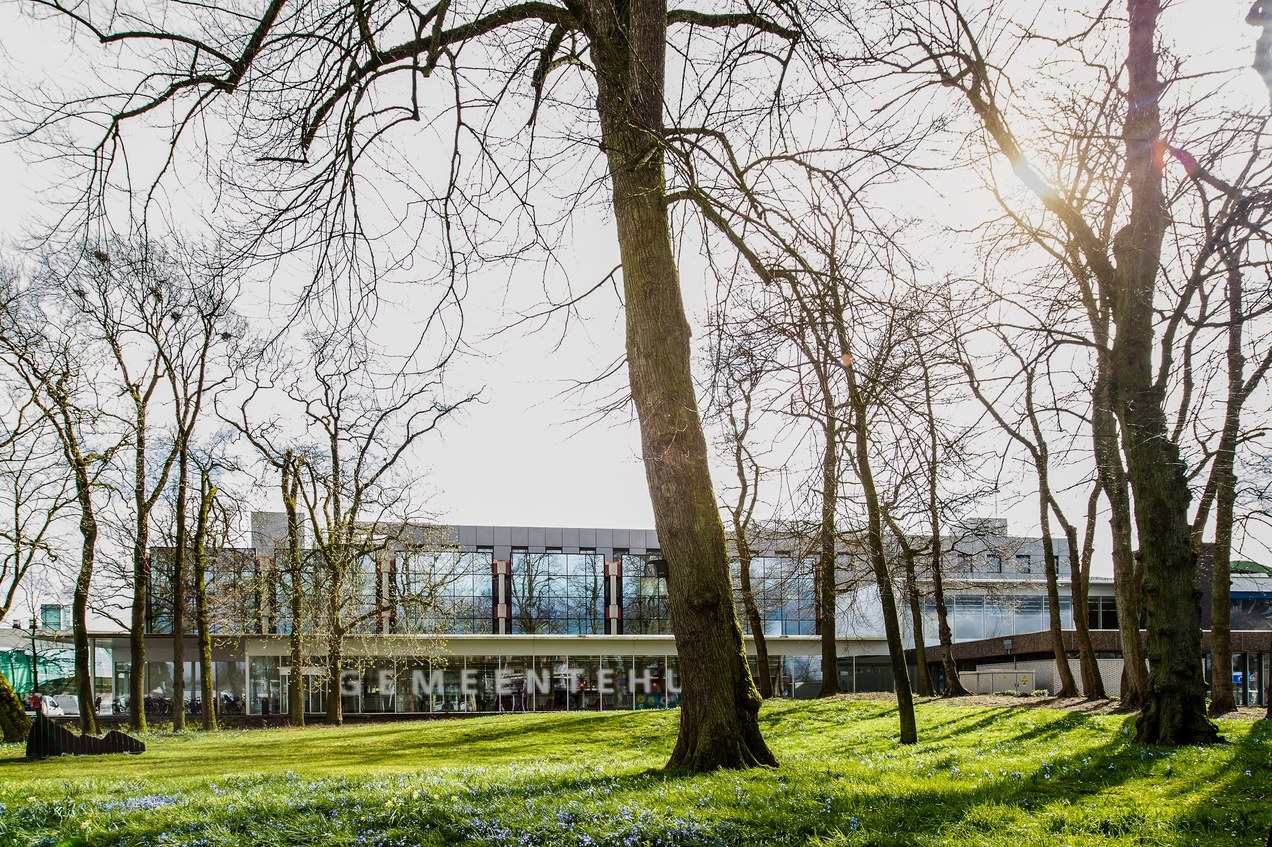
<point x="620" y="539"/>
<point x="467" y="536"/>
<point x="485" y="535"/>
<point x="570" y="538"/>
<point x="552" y="536"/>
<point x="503" y="551"/>
<point x="605" y="538"/>
<point x="538" y="537"/>
<point x="587" y="537"/>
<point x="503" y="535"/>
<point x="520" y="536"/>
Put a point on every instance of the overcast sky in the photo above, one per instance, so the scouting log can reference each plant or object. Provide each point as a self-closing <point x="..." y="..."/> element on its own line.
<point x="522" y="457"/>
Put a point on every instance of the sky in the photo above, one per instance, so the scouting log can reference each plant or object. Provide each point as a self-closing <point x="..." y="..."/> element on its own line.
<point x="522" y="457"/>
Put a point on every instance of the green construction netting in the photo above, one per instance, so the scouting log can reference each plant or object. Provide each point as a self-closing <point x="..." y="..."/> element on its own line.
<point x="16" y="666"/>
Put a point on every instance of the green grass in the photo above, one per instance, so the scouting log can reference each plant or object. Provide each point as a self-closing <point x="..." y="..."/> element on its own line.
<point x="979" y="776"/>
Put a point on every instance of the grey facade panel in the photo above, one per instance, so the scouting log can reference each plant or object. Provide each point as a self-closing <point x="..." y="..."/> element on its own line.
<point x="620" y="539"/>
<point x="520" y="536"/>
<point x="485" y="535"/>
<point x="503" y="552"/>
<point x="503" y="535"/>
<point x="467" y="536"/>
<point x="538" y="537"/>
<point x="570" y="538"/>
<point x="587" y="537"/>
<point x="552" y="536"/>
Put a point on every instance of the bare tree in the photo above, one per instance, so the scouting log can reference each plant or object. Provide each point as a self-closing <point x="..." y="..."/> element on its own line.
<point x="353" y="500"/>
<point x="201" y="325"/>
<point x="737" y="371"/>
<point x="124" y="294"/>
<point x="315" y="129"/>
<point x="938" y="44"/>
<point x="1036" y="446"/>
<point x="60" y="374"/>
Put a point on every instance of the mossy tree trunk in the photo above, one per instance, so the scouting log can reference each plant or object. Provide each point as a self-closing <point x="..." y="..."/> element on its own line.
<point x="719" y="726"/>
<point x="752" y="610"/>
<point x="79" y="610"/>
<point x="827" y="589"/>
<point x="290" y="481"/>
<point x="878" y="558"/>
<point x="1079" y="577"/>
<point x="1126" y="570"/>
<point x="14" y="723"/>
<point x="181" y="537"/>
<point x="207" y="495"/>
<point x="1175" y="708"/>
<point x="923" y="672"/>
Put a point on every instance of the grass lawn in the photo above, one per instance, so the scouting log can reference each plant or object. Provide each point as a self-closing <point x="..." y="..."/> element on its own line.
<point x="979" y="776"/>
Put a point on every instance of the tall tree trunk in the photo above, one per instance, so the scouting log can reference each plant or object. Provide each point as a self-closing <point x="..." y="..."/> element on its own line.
<point x="1079" y="576"/>
<point x="79" y="607"/>
<point x="916" y="623"/>
<point x="719" y="724"/>
<point x="1222" y="696"/>
<point x="141" y="579"/>
<point x="826" y="587"/>
<point x="879" y="563"/>
<point x="1126" y="575"/>
<point x="335" y="677"/>
<point x="752" y="611"/>
<point x="207" y="494"/>
<point x="295" y="570"/>
<point x="1175" y="709"/>
<point x="178" y="592"/>
<point x="953" y="686"/>
<point x="1068" y="686"/>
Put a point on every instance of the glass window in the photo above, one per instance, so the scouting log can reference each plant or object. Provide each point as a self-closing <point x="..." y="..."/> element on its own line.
<point x="1024" y="563"/>
<point x="266" y="685"/>
<point x="379" y="686"/>
<point x="673" y="681"/>
<point x="231" y="690"/>
<point x="1031" y="613"/>
<point x="969" y="617"/>
<point x="993" y="564"/>
<point x="610" y="682"/>
<point x="644" y="596"/>
<point x="556" y="684"/>
<point x="785" y="594"/>
<point x="998" y="617"/>
<point x="1108" y="613"/>
<point x="441" y="592"/>
<point x="558" y="593"/>
<point x="648" y="683"/>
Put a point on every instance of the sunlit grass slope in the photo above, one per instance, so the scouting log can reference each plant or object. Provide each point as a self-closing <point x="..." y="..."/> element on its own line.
<point x="979" y="776"/>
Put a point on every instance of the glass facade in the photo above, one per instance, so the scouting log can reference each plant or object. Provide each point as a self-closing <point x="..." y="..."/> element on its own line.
<point x="644" y="597"/>
<point x="445" y="592"/>
<point x="977" y="616"/>
<point x="1102" y="613"/>
<point x="785" y="595"/>
<point x="493" y="684"/>
<point x="244" y="592"/>
<point x="1251" y="610"/>
<point x="558" y="593"/>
